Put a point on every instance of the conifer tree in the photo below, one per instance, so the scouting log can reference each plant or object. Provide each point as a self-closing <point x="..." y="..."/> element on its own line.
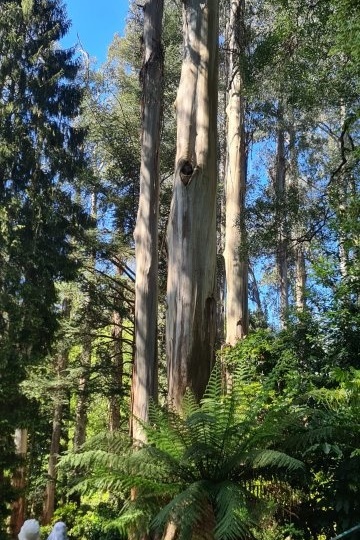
<point x="41" y="156"/>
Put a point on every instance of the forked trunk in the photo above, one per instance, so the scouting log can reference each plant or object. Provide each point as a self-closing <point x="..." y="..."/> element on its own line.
<point x="145" y="377"/>
<point x="191" y="311"/>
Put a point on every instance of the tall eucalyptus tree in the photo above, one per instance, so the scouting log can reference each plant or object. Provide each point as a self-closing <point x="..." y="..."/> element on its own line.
<point x="191" y="304"/>
<point x="235" y="252"/>
<point x="144" y="383"/>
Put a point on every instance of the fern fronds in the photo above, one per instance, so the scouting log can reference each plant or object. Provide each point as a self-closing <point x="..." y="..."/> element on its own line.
<point x="195" y="467"/>
<point x="232" y="515"/>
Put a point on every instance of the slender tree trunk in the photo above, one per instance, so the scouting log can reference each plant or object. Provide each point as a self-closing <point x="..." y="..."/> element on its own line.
<point x="221" y="208"/>
<point x="117" y="373"/>
<point x="235" y="254"/>
<point x="19" y="483"/>
<point x="191" y="288"/>
<point x="300" y="279"/>
<point x="297" y="227"/>
<point x="255" y="293"/>
<point x="145" y="376"/>
<point x="81" y="411"/>
<point x="49" y="502"/>
<point x="281" y="253"/>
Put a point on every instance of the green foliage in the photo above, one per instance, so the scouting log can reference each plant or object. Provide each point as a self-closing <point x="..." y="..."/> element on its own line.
<point x="207" y="459"/>
<point x="88" y="522"/>
<point x="41" y="155"/>
<point x="301" y="368"/>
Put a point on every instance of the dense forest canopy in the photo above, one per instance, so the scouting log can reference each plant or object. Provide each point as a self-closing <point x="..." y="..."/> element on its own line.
<point x="180" y="272"/>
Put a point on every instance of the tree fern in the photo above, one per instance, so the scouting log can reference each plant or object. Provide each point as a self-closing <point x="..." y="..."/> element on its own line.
<point x="196" y="467"/>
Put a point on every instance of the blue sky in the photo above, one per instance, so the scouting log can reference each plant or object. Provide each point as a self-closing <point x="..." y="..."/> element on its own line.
<point x="95" y="22"/>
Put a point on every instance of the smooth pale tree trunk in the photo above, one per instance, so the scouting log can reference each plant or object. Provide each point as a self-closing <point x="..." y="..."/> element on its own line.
<point x="235" y="253"/>
<point x="281" y="251"/>
<point x="191" y="287"/>
<point x="297" y="228"/>
<point x="300" y="279"/>
<point x="145" y="371"/>
<point x="19" y="483"/>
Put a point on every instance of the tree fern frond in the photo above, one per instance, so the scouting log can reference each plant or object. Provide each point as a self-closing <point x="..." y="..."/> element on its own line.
<point x="189" y="404"/>
<point x="308" y="438"/>
<point x="186" y="510"/>
<point x="166" y="430"/>
<point x="215" y="386"/>
<point x="274" y="459"/>
<point x="91" y="458"/>
<point x="232" y="516"/>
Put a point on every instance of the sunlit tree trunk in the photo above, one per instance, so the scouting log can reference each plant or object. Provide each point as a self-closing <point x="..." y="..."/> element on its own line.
<point x="300" y="279"/>
<point x="235" y="254"/>
<point x="145" y="376"/>
<point x="297" y="227"/>
<point x="343" y="196"/>
<point x="281" y="251"/>
<point x="191" y="310"/>
<point x="19" y="482"/>
<point x="221" y="208"/>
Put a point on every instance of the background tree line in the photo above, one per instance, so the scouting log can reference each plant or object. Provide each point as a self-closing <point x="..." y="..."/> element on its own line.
<point x="179" y="244"/>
